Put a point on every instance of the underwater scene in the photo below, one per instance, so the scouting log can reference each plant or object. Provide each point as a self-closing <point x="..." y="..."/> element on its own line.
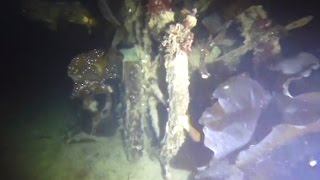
<point x="160" y="90"/>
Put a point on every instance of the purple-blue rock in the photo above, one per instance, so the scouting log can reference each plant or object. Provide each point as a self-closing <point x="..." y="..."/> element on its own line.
<point x="299" y="110"/>
<point x="230" y="122"/>
<point x="289" y="150"/>
<point x="296" y="64"/>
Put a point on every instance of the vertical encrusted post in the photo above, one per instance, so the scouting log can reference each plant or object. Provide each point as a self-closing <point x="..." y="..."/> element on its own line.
<point x="176" y="45"/>
<point x="133" y="81"/>
<point x="133" y="118"/>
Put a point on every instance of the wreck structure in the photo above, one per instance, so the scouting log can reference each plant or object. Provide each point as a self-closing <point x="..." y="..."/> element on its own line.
<point x="146" y="73"/>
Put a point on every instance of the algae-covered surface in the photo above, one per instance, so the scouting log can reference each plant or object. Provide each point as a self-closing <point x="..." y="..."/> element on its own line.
<point x="33" y="147"/>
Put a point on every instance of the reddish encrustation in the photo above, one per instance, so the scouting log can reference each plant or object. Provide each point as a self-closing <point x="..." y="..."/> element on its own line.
<point x="156" y="7"/>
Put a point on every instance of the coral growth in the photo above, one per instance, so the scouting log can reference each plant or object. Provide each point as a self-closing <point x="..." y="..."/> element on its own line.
<point x="156" y="7"/>
<point x="87" y="72"/>
<point x="176" y="45"/>
<point x="91" y="73"/>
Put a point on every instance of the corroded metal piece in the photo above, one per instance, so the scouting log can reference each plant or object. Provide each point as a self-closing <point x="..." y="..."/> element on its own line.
<point x="133" y="121"/>
<point x="177" y="44"/>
